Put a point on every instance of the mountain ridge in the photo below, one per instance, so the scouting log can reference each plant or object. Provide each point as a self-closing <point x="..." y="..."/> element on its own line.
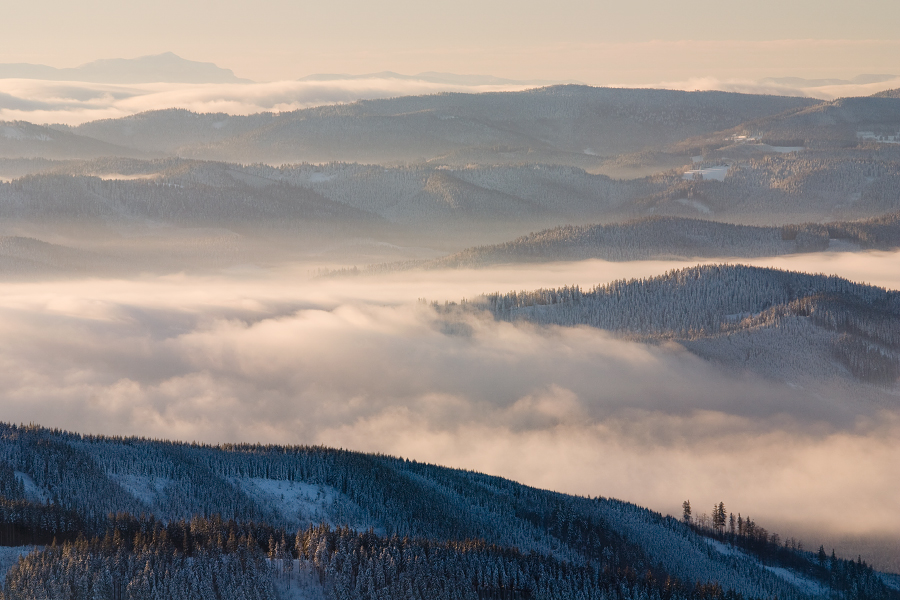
<point x="740" y="316"/>
<point x="560" y="120"/>
<point x="167" y="67"/>
<point x="572" y="542"/>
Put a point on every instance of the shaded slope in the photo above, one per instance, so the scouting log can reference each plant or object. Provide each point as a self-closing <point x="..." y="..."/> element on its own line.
<point x="94" y="201"/>
<point x="851" y="326"/>
<point x="655" y="238"/>
<point x="650" y="238"/>
<point x="424" y="505"/>
<point x="20" y="139"/>
<point x="563" y="124"/>
<point x="894" y="93"/>
<point x="24" y="256"/>
<point x="826" y="125"/>
<point x="673" y="237"/>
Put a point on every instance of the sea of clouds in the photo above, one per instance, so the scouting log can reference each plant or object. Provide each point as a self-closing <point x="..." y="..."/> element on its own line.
<point x="73" y="103"/>
<point x="280" y="357"/>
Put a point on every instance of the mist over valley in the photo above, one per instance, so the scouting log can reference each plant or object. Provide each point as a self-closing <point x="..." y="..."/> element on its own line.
<point x="243" y="323"/>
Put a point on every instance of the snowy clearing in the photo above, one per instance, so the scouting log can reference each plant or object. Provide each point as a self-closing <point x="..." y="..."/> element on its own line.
<point x="892" y="580"/>
<point x="146" y="489"/>
<point x="799" y="581"/>
<point x="724" y="548"/>
<point x="33" y="491"/>
<point x="802" y="583"/>
<point x="303" y="503"/>
<point x="716" y="173"/>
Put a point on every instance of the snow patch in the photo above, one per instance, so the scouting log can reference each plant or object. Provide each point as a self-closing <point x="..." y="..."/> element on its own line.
<point x="696" y="205"/>
<point x="724" y="548"/>
<point x="302" y="503"/>
<point x="33" y="491"/>
<point x="123" y="177"/>
<point x="715" y="173"/>
<point x="799" y="581"/>
<point x="891" y="580"/>
<point x="14" y="133"/>
<point x="804" y="584"/>
<point x="878" y="137"/>
<point x="144" y="488"/>
<point x="787" y="149"/>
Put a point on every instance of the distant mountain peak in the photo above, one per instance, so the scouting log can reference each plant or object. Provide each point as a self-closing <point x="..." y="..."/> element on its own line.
<point x="800" y="82"/>
<point x="167" y="67"/>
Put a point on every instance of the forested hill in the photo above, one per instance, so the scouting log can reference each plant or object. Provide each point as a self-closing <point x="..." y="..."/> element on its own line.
<point x="60" y="198"/>
<point x="211" y="515"/>
<point x="559" y="124"/>
<point x="832" y="124"/>
<point x="764" y="319"/>
<point x="894" y="93"/>
<point x="506" y="201"/>
<point x="20" y="139"/>
<point x="674" y="237"/>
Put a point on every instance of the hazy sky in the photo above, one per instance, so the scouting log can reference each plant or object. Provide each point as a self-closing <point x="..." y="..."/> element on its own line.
<point x="595" y="42"/>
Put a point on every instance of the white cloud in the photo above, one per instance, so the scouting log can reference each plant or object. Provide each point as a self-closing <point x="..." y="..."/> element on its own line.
<point x="355" y="363"/>
<point x="73" y="103"/>
<point x="746" y="86"/>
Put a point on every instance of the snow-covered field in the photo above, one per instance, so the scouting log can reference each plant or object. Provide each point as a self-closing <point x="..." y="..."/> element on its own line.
<point x="304" y="503"/>
<point x="145" y="489"/>
<point x="32" y="490"/>
<point x="892" y="580"/>
<point x="716" y="173"/>
<point x="803" y="583"/>
<point x="724" y="548"/>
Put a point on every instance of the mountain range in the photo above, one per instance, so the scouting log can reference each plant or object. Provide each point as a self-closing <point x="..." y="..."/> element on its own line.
<point x="655" y="238"/>
<point x="558" y="124"/>
<point x="451" y="180"/>
<point x="800" y="82"/>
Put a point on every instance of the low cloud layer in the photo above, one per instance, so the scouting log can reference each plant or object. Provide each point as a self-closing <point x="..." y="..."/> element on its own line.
<point x="361" y="364"/>
<point x="73" y="103"/>
<point x="746" y="86"/>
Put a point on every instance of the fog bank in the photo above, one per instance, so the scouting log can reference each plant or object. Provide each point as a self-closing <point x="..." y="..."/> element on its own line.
<point x="278" y="357"/>
<point x="73" y="103"/>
